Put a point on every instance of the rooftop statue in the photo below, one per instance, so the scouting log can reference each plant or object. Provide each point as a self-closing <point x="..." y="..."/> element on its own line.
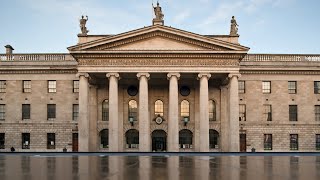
<point x="234" y="27"/>
<point x="158" y="12"/>
<point x="83" y="27"/>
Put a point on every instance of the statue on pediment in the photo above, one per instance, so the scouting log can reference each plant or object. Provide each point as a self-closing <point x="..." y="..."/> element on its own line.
<point x="83" y="21"/>
<point x="158" y="12"/>
<point x="234" y="27"/>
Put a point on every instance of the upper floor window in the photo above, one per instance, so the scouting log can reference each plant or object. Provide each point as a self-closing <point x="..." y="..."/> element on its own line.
<point x="267" y="114"/>
<point x="51" y="111"/>
<point x="158" y="108"/>
<point x="292" y="87"/>
<point x="317" y="112"/>
<point x="294" y="144"/>
<point x="212" y="110"/>
<point x="267" y="142"/>
<point x="75" y="86"/>
<point x="105" y="110"/>
<point x="2" y="140"/>
<point x="317" y="141"/>
<point x="75" y="112"/>
<point x="51" y="140"/>
<point x="317" y="87"/>
<point x="242" y="112"/>
<point x="26" y="86"/>
<point x="52" y="86"/>
<point x="242" y="86"/>
<point x="2" y="112"/>
<point x="3" y="86"/>
<point x="25" y="140"/>
<point x="293" y="113"/>
<point x="266" y="87"/>
<point x="133" y="110"/>
<point x="185" y="109"/>
<point x="25" y="111"/>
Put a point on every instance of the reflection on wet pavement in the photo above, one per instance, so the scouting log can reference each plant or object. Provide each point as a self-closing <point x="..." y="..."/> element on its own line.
<point x="29" y="167"/>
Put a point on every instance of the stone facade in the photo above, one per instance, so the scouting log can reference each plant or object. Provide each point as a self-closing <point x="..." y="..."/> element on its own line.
<point x="193" y="78"/>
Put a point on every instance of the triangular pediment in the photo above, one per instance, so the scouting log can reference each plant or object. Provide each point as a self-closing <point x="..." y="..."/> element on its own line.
<point x="155" y="38"/>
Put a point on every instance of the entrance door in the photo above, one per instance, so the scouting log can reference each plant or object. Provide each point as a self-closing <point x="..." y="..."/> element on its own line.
<point x="75" y="142"/>
<point x="243" y="143"/>
<point x="159" y="140"/>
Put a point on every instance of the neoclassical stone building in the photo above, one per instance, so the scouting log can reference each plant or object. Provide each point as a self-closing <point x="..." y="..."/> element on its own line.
<point x="159" y="88"/>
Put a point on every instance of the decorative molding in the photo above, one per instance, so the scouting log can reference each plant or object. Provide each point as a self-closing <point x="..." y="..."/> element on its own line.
<point x="200" y="75"/>
<point x="162" y="126"/>
<point x="86" y="75"/>
<point x="292" y="72"/>
<point x="231" y="75"/>
<point x="116" y="75"/>
<point x="189" y="127"/>
<point x="147" y="75"/>
<point x="169" y="75"/>
<point x="38" y="71"/>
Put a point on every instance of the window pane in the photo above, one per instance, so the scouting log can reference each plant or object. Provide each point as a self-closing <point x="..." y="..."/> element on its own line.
<point x="51" y="140"/>
<point x="2" y="112"/>
<point x="317" y="87"/>
<point x="76" y="86"/>
<point x="133" y="110"/>
<point x="185" y="111"/>
<point x="292" y="87"/>
<point x="293" y="115"/>
<point x="26" y="86"/>
<point x="104" y="138"/>
<point x="185" y="139"/>
<point x="105" y="110"/>
<point x="294" y="145"/>
<point x="242" y="112"/>
<point x="268" y="142"/>
<point x="51" y="109"/>
<point x="132" y="138"/>
<point x="266" y="87"/>
<point x="213" y="139"/>
<point x="52" y="86"/>
<point x="2" y="141"/>
<point x="317" y="141"/>
<point x="3" y="85"/>
<point x="241" y="86"/>
<point x="25" y="140"/>
<point x="25" y="111"/>
<point x="158" y="108"/>
<point x="75" y="111"/>
<point x="267" y="114"/>
<point x="317" y="112"/>
<point x="212" y="110"/>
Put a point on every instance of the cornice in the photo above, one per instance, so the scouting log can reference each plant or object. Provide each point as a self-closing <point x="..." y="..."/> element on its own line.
<point x="74" y="71"/>
<point x="281" y="72"/>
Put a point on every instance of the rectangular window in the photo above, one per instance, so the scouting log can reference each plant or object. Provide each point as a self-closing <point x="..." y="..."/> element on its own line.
<point x="317" y="87"/>
<point x="2" y="141"/>
<point x="75" y="112"/>
<point x="266" y="87"/>
<point x="25" y="111"/>
<point x="317" y="112"/>
<point x="76" y="86"/>
<point x="242" y="86"/>
<point x="51" y="140"/>
<point x="242" y="112"/>
<point x="105" y="110"/>
<point x="51" y="111"/>
<point x="25" y="140"/>
<point x="3" y="86"/>
<point x="52" y="86"/>
<point x="293" y="113"/>
<point x="2" y="112"/>
<point x="294" y="144"/>
<point x="292" y="87"/>
<point x="26" y="86"/>
<point x="267" y="114"/>
<point x="267" y="142"/>
<point x="317" y="141"/>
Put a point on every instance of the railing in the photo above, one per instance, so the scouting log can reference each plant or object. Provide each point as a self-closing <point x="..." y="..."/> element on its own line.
<point x="281" y="57"/>
<point x="36" y="57"/>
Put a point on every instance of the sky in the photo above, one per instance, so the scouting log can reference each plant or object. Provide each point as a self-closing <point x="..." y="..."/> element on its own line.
<point x="266" y="26"/>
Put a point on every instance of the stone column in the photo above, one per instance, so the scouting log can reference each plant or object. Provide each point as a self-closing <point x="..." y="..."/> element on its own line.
<point x="144" y="121"/>
<point x="234" y="113"/>
<point x="113" y="112"/>
<point x="173" y="120"/>
<point x="83" y="123"/>
<point x="204" y="111"/>
<point x="93" y="114"/>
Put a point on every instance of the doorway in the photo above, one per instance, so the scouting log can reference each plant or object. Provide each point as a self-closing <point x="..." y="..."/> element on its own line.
<point x="243" y="142"/>
<point x="75" y="142"/>
<point x="159" y="140"/>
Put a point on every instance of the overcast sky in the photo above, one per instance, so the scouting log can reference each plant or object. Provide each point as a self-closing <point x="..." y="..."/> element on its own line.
<point x="266" y="26"/>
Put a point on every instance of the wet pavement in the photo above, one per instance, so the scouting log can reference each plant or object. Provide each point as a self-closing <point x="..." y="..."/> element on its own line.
<point x="136" y="166"/>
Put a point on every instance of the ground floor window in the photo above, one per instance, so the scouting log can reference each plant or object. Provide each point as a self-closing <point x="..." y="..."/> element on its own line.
<point x="2" y="141"/>
<point x="132" y="138"/>
<point x="213" y="139"/>
<point x="25" y="140"/>
<point x="294" y="145"/>
<point x="51" y="141"/>
<point x="317" y="141"/>
<point x="185" y="139"/>
<point x="104" y="138"/>
<point x="267" y="142"/>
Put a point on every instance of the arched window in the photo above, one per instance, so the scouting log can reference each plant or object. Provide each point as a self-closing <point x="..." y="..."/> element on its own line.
<point x="185" y="108"/>
<point x="158" y="108"/>
<point x="105" y="110"/>
<point x="212" y="110"/>
<point x="213" y="139"/>
<point x="133" y="110"/>
<point x="104" y="138"/>
<point x="185" y="139"/>
<point x="132" y="138"/>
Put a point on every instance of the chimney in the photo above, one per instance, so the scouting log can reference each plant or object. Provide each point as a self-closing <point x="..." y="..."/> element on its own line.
<point x="9" y="49"/>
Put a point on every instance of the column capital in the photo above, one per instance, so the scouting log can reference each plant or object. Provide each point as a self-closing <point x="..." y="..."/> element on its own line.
<point x="169" y="75"/>
<point x="200" y="75"/>
<point x="230" y="75"/>
<point x="108" y="75"/>
<point x="86" y="75"/>
<point x="147" y="75"/>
